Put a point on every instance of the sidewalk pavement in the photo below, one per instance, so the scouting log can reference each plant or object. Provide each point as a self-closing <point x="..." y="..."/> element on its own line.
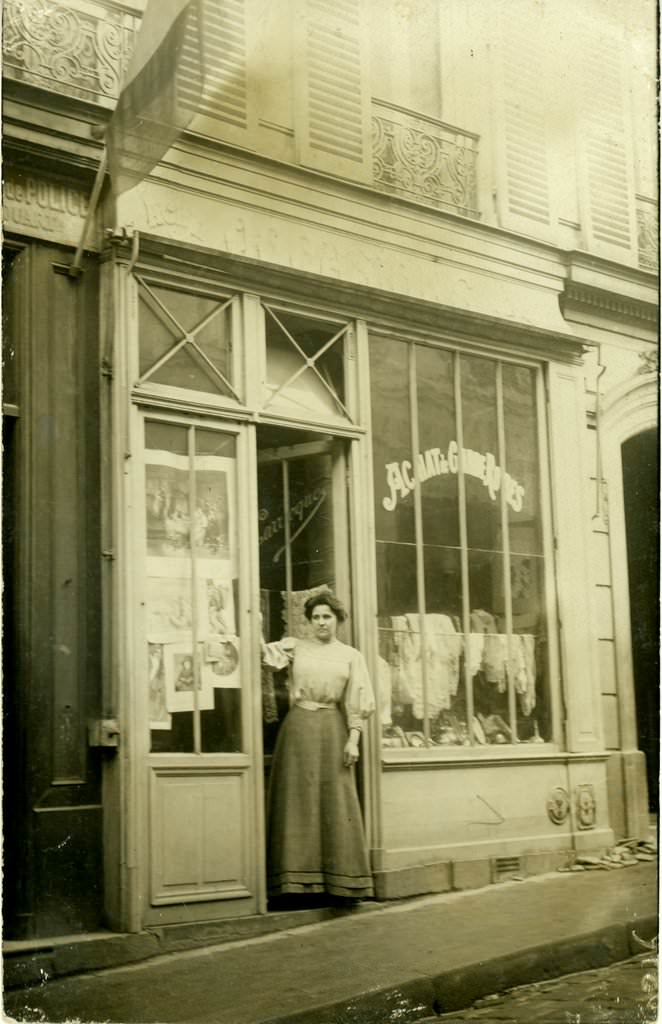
<point x="393" y="963"/>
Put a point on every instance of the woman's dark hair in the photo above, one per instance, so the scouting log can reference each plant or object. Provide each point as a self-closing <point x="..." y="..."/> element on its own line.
<point x="327" y="598"/>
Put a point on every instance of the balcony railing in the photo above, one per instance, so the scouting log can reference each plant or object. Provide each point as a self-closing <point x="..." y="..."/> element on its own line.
<point x="79" y="48"/>
<point x="648" y="239"/>
<point x="425" y="160"/>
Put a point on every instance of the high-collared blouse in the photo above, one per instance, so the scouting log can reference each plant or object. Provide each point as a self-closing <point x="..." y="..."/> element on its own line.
<point x="323" y="674"/>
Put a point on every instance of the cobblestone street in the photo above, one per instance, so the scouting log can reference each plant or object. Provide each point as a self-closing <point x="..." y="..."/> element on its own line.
<point x="623" y="993"/>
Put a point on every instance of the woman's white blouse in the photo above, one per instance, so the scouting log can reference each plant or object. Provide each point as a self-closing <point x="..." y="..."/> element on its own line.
<point x="324" y="673"/>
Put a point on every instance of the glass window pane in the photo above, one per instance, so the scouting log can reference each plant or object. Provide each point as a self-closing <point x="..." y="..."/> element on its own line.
<point x="523" y="460"/>
<point x="293" y="387"/>
<point x="479" y="421"/>
<point x="443" y="581"/>
<point x="445" y="645"/>
<point x="391" y="440"/>
<point x="531" y="679"/>
<point x="435" y="393"/>
<point x="217" y="591"/>
<point x="396" y="579"/>
<point x="166" y="315"/>
<point x="168" y="587"/>
<point x="487" y="649"/>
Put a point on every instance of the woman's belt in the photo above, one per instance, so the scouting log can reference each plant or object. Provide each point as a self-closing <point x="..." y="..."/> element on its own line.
<point x="313" y="705"/>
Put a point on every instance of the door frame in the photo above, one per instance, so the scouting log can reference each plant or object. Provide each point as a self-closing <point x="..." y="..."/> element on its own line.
<point x="123" y="408"/>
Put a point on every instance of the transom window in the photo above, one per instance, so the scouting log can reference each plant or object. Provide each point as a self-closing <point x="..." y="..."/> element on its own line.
<point x="185" y="339"/>
<point x="305" y="371"/>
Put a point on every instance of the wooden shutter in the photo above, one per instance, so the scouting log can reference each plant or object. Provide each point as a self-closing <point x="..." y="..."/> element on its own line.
<point x="332" y="94"/>
<point x="520" y="138"/>
<point x="227" y="109"/>
<point x="606" y="179"/>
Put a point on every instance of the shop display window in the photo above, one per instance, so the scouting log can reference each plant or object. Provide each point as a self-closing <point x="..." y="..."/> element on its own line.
<point x="191" y="589"/>
<point x="460" y="559"/>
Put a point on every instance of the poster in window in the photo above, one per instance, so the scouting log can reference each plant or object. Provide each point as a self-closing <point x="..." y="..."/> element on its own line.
<point x="182" y="677"/>
<point x="221" y="663"/>
<point x="159" y="718"/>
<point x="168" y="603"/>
<point x="167" y="505"/>
<point x="213" y="527"/>
<point x="215" y="604"/>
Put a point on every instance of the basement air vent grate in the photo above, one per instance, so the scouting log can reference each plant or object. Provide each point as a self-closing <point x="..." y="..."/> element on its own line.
<point x="506" y="867"/>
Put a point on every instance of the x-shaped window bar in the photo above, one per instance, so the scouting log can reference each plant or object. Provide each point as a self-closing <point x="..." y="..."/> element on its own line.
<point x="309" y="362"/>
<point x="187" y="337"/>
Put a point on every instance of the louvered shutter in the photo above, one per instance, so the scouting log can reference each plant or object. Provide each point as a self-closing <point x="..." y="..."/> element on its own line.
<point x="520" y="137"/>
<point x="332" y="95"/>
<point x="227" y="109"/>
<point x="606" y="174"/>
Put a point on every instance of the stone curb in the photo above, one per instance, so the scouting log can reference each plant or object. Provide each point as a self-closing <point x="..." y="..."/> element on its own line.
<point x="459" y="988"/>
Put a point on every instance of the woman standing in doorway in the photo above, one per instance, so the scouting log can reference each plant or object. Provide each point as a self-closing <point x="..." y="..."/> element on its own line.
<point x="315" y="833"/>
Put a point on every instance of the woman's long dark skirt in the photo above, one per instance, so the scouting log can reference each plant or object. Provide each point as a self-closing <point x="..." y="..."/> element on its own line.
<point x="315" y="833"/>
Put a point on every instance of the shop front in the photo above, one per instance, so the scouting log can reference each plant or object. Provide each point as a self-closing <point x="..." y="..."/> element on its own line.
<point x="269" y="441"/>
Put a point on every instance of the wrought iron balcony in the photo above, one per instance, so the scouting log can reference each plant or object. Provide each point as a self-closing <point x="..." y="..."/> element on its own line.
<point x="77" y="48"/>
<point x="648" y="239"/>
<point x="422" y="159"/>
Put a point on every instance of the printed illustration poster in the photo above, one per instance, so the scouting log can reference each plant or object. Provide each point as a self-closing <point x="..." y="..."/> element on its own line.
<point x="181" y="679"/>
<point x="214" y="524"/>
<point x="221" y="664"/>
<point x="215" y="606"/>
<point x="172" y="523"/>
<point x="158" y="712"/>
<point x="167" y="505"/>
<point x="168" y="603"/>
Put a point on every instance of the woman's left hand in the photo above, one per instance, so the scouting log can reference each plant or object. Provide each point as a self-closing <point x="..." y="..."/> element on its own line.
<point x="351" y="755"/>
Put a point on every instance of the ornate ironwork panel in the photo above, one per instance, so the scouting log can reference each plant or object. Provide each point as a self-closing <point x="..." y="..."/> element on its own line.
<point x="647" y="233"/>
<point x="424" y="160"/>
<point x="72" y="47"/>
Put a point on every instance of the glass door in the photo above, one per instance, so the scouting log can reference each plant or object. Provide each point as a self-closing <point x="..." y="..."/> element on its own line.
<point x="193" y="655"/>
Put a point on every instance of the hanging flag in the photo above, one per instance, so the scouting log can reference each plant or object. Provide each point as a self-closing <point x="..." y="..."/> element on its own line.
<point x="161" y="92"/>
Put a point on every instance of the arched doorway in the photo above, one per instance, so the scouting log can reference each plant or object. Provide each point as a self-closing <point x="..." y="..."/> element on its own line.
<point x="641" y="488"/>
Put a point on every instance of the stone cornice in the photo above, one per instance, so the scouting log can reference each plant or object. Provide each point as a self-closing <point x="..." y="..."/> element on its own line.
<point x="577" y="297"/>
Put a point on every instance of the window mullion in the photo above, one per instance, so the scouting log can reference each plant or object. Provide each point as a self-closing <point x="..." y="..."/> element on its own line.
<point x="507" y="588"/>
<point x="288" y="541"/>
<point x="197" y="666"/>
<point x="418" y="526"/>
<point x="464" y="551"/>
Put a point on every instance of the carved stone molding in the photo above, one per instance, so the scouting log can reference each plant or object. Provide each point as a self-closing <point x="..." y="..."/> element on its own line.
<point x="650" y="362"/>
<point x="73" y="47"/>
<point x="585" y="806"/>
<point x="558" y="805"/>
<point x="620" y="306"/>
<point x="424" y="160"/>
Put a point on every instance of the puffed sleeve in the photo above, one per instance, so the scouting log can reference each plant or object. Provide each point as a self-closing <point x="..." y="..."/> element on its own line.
<point x="359" y="698"/>
<point x="278" y="654"/>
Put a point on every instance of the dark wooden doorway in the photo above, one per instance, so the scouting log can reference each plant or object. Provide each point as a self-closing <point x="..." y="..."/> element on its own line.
<point x="641" y="488"/>
<point x="53" y="878"/>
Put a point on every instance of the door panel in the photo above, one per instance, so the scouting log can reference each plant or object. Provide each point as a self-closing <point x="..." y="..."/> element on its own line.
<point x="53" y="866"/>
<point x="200" y="834"/>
